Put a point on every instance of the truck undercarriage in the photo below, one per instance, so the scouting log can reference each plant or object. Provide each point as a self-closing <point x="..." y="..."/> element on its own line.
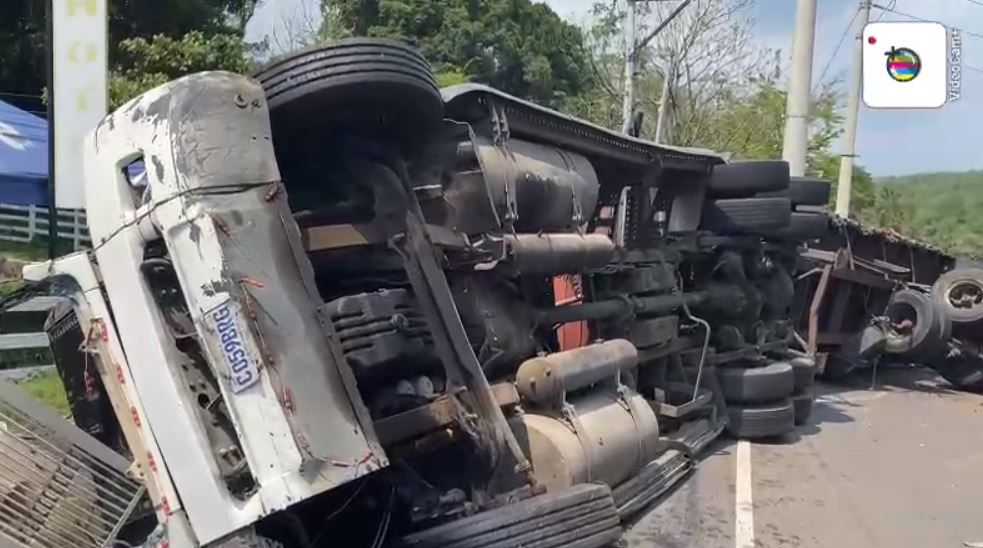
<point x="335" y="314"/>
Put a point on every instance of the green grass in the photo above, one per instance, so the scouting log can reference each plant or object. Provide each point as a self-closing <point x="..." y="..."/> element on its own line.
<point x="36" y="250"/>
<point x="47" y="389"/>
<point x="9" y="286"/>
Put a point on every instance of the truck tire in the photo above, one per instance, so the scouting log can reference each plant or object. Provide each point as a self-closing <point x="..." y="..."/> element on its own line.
<point x="583" y="516"/>
<point x="740" y="179"/>
<point x="959" y="293"/>
<point x="805" y="191"/>
<point x="803" y="404"/>
<point x="802" y="227"/>
<point x="761" y="420"/>
<point x="805" y="373"/>
<point x="357" y="82"/>
<point x="756" y="384"/>
<point x="746" y="215"/>
<point x="930" y="330"/>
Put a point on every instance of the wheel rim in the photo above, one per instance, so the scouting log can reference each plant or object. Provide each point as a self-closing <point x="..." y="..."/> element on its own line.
<point x="965" y="295"/>
<point x="899" y="312"/>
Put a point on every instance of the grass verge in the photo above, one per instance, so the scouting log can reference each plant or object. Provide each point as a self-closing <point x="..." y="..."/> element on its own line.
<point x="47" y="389"/>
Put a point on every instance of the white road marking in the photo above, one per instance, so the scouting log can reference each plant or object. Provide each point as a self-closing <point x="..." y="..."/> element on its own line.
<point x="851" y="398"/>
<point x="744" y="507"/>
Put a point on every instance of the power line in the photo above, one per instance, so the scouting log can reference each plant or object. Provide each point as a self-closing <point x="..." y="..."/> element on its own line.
<point x="977" y="2"/>
<point x="916" y="18"/>
<point x="836" y="50"/>
<point x="891" y="6"/>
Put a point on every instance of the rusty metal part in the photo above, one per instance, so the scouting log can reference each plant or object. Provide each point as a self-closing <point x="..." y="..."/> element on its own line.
<point x="435" y="416"/>
<point x="615" y="308"/>
<point x="58" y="486"/>
<point x="654" y="332"/>
<point x="200" y="379"/>
<point x="527" y="119"/>
<point x="547" y="379"/>
<point x="817" y="302"/>
<point x="597" y="437"/>
<point x="411" y="242"/>
<point x="557" y="253"/>
<point x="498" y="322"/>
<point x="677" y="401"/>
<point x="328" y="237"/>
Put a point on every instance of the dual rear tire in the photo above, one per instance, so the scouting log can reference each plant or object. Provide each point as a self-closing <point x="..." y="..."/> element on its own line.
<point x="769" y="400"/>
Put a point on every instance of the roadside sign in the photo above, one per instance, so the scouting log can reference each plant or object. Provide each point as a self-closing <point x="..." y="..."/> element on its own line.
<point x="79" y="95"/>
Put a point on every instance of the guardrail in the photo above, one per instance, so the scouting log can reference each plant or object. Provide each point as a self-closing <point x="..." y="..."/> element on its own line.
<point x="24" y="223"/>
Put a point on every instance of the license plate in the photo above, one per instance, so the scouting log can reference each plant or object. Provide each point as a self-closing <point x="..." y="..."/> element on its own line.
<point x="243" y="372"/>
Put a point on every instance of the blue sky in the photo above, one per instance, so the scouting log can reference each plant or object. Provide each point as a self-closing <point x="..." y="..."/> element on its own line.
<point x="889" y="142"/>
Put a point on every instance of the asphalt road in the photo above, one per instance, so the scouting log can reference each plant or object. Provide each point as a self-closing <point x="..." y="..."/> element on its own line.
<point x="898" y="466"/>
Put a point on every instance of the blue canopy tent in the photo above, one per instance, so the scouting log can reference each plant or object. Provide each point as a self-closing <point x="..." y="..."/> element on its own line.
<point x="23" y="157"/>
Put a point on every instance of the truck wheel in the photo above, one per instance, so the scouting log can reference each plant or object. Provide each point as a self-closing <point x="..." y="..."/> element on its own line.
<point x="803" y="406"/>
<point x="959" y="293"/>
<point x="356" y="82"/>
<point x="805" y="372"/>
<point x="929" y="328"/>
<point x="746" y="215"/>
<point x="807" y="191"/>
<point x="583" y="516"/>
<point x="756" y="384"/>
<point x="761" y="420"/>
<point x="741" y="179"/>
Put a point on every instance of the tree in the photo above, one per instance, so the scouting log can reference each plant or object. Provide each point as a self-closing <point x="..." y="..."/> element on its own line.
<point x="152" y="62"/>
<point x="142" y="19"/>
<point x="22" y="36"/>
<point x="22" y="43"/>
<point x="862" y="192"/>
<point x="518" y="46"/>
<point x="725" y="92"/>
<point x="890" y="212"/>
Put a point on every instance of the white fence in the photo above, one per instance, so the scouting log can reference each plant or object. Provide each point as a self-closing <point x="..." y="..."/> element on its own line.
<point x="24" y="223"/>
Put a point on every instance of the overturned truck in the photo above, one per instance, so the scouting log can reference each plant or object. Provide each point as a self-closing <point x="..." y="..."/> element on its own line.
<point x="345" y="307"/>
<point x="866" y="296"/>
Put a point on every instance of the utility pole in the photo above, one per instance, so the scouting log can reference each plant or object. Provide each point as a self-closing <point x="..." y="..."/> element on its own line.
<point x="663" y="119"/>
<point x="796" y="142"/>
<point x="632" y="49"/>
<point x="845" y="186"/>
<point x="628" y="104"/>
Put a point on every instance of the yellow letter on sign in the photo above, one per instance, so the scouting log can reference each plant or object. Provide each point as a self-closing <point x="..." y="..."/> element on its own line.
<point x="88" y="6"/>
<point x="83" y="98"/>
<point x="80" y="52"/>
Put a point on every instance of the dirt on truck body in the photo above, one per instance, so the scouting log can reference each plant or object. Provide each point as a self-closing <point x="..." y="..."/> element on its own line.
<point x="337" y="309"/>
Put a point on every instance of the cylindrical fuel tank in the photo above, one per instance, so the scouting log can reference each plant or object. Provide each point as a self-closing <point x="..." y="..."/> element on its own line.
<point x="541" y="187"/>
<point x="604" y="442"/>
<point x="546" y="253"/>
<point x="546" y="379"/>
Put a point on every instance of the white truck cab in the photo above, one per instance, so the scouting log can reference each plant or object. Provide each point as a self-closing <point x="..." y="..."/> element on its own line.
<point x="208" y="325"/>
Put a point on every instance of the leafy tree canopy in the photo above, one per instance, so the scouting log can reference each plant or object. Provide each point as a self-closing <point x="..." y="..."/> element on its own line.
<point x="518" y="46"/>
<point x="155" y="61"/>
<point x="939" y="208"/>
<point x="22" y="35"/>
